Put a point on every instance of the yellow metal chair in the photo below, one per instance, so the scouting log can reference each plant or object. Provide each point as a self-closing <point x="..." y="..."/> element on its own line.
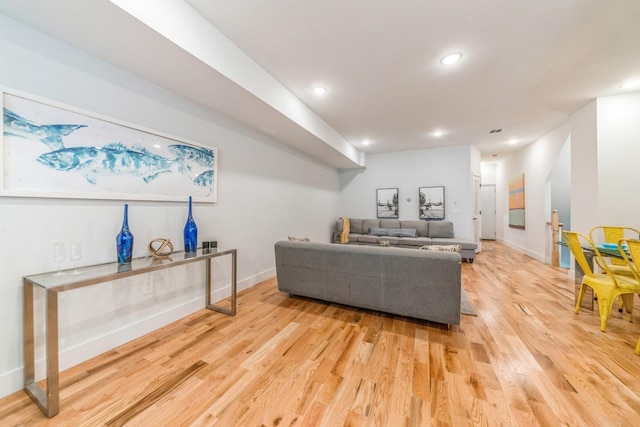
<point x="630" y="250"/>
<point x="611" y="234"/>
<point x="606" y="286"/>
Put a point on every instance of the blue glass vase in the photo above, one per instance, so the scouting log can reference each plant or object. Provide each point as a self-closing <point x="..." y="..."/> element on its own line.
<point x="124" y="240"/>
<point x="190" y="233"/>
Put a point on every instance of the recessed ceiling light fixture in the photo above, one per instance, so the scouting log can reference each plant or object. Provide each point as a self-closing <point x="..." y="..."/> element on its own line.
<point x="438" y="133"/>
<point x="366" y="142"/>
<point x="513" y="141"/>
<point x="319" y="90"/>
<point x="451" y="58"/>
<point x="631" y="84"/>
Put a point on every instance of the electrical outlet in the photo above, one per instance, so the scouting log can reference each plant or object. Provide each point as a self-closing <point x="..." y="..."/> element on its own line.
<point x="147" y="287"/>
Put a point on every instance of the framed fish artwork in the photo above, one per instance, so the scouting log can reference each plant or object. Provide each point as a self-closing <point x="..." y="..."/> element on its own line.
<point x="52" y="150"/>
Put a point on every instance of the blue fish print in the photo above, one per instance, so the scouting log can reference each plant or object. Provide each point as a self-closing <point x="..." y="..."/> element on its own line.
<point x="196" y="162"/>
<point x="205" y="179"/>
<point x="50" y="135"/>
<point x="188" y="153"/>
<point x="112" y="159"/>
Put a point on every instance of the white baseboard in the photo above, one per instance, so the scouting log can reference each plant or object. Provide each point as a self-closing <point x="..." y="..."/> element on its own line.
<point x="532" y="254"/>
<point x="11" y="381"/>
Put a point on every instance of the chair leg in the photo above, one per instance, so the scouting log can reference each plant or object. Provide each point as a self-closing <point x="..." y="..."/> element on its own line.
<point x="627" y="304"/>
<point x="621" y="305"/>
<point x="605" y="302"/>
<point x="580" y="295"/>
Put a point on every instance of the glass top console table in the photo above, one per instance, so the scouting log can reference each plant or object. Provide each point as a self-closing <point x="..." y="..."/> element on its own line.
<point x="48" y="399"/>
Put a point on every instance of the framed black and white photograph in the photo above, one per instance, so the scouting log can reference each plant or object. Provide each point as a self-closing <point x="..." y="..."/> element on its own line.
<point x="387" y="202"/>
<point x="431" y="202"/>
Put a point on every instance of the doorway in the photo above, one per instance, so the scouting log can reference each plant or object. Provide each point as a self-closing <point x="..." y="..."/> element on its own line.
<point x="488" y="212"/>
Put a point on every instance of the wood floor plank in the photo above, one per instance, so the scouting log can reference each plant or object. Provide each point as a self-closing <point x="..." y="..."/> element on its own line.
<point x="525" y="359"/>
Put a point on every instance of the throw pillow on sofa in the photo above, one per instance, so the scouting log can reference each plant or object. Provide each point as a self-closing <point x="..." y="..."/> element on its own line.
<point x="403" y="232"/>
<point x="442" y="248"/>
<point x="298" y="239"/>
<point x="379" y="231"/>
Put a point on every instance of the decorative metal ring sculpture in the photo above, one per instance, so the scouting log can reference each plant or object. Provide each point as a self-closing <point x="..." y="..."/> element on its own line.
<point x="163" y="249"/>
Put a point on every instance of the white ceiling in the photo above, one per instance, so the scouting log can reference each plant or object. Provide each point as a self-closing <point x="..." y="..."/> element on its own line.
<point x="527" y="65"/>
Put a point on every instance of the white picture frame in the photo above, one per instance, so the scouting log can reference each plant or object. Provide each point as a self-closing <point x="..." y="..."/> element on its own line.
<point x="54" y="150"/>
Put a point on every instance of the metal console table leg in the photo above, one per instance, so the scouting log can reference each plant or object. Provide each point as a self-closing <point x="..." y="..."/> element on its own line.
<point x="230" y="311"/>
<point x="48" y="400"/>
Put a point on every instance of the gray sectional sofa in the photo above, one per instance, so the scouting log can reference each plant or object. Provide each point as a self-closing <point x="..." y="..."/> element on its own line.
<point x="421" y="284"/>
<point x="405" y="234"/>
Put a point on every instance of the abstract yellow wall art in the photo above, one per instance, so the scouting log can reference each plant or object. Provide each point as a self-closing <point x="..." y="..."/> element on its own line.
<point x="516" y="202"/>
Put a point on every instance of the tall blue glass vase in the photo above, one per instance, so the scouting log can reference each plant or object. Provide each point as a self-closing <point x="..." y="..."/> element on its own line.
<point x="124" y="240"/>
<point x="190" y="233"/>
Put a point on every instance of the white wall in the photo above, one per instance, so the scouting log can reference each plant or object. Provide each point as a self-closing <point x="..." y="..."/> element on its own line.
<point x="559" y="181"/>
<point x="584" y="168"/>
<point x="266" y="192"/>
<point x="603" y="138"/>
<point x="408" y="170"/>
<point x="618" y="170"/>
<point x="489" y="173"/>
<point x="536" y="161"/>
<point x="604" y="159"/>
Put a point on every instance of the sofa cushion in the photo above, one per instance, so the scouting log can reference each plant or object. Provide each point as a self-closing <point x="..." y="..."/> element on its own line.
<point x="356" y="226"/>
<point x="368" y="238"/>
<point x="379" y="231"/>
<point x="368" y="224"/>
<point x="403" y="232"/>
<point x="421" y="226"/>
<point x="393" y="241"/>
<point x="441" y="229"/>
<point x="353" y="237"/>
<point x="414" y="241"/>
<point x="390" y="223"/>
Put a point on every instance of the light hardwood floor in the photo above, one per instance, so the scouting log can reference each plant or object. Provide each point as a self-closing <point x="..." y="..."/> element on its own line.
<point x="525" y="360"/>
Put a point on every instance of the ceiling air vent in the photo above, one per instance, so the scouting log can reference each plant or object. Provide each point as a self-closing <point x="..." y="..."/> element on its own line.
<point x="495" y="131"/>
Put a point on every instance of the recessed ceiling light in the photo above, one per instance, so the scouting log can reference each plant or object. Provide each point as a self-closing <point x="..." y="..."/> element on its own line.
<point x="451" y="58"/>
<point x="630" y="84"/>
<point x="513" y="141"/>
<point x="366" y="142"/>
<point x="438" y="133"/>
<point x="319" y="90"/>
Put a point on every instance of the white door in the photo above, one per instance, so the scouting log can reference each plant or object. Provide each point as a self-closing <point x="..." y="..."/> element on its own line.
<point x="488" y="212"/>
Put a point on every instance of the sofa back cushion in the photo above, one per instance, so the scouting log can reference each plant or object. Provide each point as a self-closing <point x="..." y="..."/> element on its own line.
<point x="390" y="223"/>
<point x="441" y="229"/>
<point x="421" y="226"/>
<point x="367" y="224"/>
<point x="356" y="226"/>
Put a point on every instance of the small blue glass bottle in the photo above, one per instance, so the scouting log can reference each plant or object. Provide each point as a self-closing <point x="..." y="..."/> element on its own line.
<point x="124" y="240"/>
<point x="190" y="233"/>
